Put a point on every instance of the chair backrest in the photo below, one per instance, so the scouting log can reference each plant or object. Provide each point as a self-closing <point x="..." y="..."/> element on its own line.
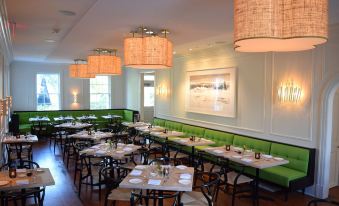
<point x="112" y="176"/>
<point x="161" y="161"/>
<point x="208" y="182"/>
<point x="155" y="197"/>
<point x="20" y="164"/>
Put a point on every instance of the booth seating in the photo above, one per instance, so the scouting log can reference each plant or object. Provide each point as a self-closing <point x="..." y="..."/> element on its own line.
<point x="297" y="174"/>
<point x="20" y="119"/>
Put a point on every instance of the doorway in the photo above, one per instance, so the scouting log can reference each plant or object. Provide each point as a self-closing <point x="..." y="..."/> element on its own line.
<point x="147" y="96"/>
<point x="334" y="171"/>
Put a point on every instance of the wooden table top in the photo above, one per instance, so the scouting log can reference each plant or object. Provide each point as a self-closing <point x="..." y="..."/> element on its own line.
<point x="113" y="116"/>
<point x="94" y="136"/>
<point x="70" y="125"/>
<point x="104" y="150"/>
<point x="149" y="130"/>
<point x="64" y="118"/>
<point x="247" y="159"/>
<point x="188" y="142"/>
<point x="39" y="119"/>
<point x="87" y="118"/>
<point x="137" y="124"/>
<point x="170" y="183"/>
<point x="168" y="134"/>
<point x="22" y="139"/>
<point x="38" y="179"/>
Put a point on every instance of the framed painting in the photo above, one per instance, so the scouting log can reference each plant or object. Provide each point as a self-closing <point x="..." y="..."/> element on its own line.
<point x="212" y="92"/>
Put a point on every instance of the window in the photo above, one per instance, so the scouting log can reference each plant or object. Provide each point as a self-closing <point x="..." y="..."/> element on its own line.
<point x="100" y="92"/>
<point x="148" y="90"/>
<point x="48" y="91"/>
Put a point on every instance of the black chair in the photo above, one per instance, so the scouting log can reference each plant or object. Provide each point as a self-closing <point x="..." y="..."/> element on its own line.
<point x="208" y="185"/>
<point x="112" y="176"/>
<point x="323" y="202"/>
<point x="77" y="147"/>
<point x="21" y="151"/>
<point x="140" y="157"/>
<point x="157" y="197"/>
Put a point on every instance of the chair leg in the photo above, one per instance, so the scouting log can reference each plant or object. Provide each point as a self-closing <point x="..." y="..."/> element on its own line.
<point x="286" y="195"/>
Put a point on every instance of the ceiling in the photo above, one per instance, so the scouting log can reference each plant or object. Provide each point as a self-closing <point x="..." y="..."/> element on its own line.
<point x="194" y="24"/>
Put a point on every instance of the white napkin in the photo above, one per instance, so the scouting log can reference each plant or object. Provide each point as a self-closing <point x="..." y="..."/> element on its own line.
<point x="127" y="149"/>
<point x="22" y="182"/>
<point x="154" y="182"/>
<point x="20" y="170"/>
<point x="247" y="160"/>
<point x="185" y="176"/>
<point x="136" y="172"/>
<point x="100" y="152"/>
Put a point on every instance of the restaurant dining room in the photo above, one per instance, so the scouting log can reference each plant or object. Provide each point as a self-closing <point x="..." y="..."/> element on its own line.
<point x="169" y="102"/>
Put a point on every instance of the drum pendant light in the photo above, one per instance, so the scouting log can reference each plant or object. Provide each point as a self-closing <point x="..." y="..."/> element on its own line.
<point x="104" y="62"/>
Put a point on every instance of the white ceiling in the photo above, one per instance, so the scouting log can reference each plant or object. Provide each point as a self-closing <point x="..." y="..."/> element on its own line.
<point x="193" y="24"/>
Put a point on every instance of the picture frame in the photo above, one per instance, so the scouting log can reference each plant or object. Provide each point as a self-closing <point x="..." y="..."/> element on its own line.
<point x="211" y="92"/>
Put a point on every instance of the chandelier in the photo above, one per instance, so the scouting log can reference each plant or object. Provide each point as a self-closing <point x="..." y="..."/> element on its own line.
<point x="80" y="70"/>
<point x="279" y="25"/>
<point x="147" y="50"/>
<point x="104" y="62"/>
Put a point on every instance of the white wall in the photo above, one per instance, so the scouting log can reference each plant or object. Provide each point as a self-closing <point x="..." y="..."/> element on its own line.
<point x="23" y="86"/>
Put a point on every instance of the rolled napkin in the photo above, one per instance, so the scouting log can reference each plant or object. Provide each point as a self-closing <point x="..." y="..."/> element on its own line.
<point x="154" y="182"/>
<point x="218" y="151"/>
<point x="22" y="182"/>
<point x="267" y="156"/>
<point x="185" y="176"/>
<point x="136" y="172"/>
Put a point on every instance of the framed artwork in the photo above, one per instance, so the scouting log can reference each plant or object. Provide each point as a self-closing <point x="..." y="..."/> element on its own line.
<point x="212" y="92"/>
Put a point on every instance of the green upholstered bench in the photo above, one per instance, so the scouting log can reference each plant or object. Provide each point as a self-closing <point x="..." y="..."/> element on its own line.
<point x="23" y="125"/>
<point x="298" y="174"/>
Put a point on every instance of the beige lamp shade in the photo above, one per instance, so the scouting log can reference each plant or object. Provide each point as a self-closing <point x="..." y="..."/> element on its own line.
<point x="104" y="64"/>
<point x="80" y="71"/>
<point x="279" y="25"/>
<point x="150" y="52"/>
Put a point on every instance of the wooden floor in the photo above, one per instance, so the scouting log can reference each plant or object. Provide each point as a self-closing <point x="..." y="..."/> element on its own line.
<point x="64" y="192"/>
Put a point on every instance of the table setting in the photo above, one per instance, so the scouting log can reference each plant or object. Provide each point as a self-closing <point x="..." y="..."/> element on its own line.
<point x="9" y="139"/>
<point x="114" y="150"/>
<point x="91" y="135"/>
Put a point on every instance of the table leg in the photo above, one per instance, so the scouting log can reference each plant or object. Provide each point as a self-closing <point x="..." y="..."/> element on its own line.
<point x="193" y="156"/>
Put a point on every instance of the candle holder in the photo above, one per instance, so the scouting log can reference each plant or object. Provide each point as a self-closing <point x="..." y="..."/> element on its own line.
<point x="17" y="136"/>
<point x="257" y="155"/>
<point x="12" y="172"/>
<point x="165" y="131"/>
<point x="228" y="147"/>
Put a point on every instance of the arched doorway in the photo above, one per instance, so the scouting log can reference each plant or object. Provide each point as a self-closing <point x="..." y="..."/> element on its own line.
<point x="326" y="125"/>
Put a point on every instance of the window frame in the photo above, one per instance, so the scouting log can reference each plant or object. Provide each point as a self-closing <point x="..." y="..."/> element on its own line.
<point x="109" y="85"/>
<point x="36" y="90"/>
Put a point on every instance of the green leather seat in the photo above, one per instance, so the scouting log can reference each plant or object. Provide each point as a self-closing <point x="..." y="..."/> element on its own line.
<point x="251" y="143"/>
<point x="220" y="138"/>
<point x="193" y="130"/>
<point x="176" y="126"/>
<point x="159" y="122"/>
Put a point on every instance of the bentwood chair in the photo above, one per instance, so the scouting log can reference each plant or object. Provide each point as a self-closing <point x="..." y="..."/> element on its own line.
<point x="328" y="201"/>
<point x="208" y="187"/>
<point x="154" y="196"/>
<point x="112" y="176"/>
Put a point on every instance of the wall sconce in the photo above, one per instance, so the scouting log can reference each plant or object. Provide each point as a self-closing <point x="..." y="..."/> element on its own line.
<point x="9" y="101"/>
<point x="289" y="92"/>
<point x="4" y="111"/>
<point x="75" y="97"/>
<point x="162" y="90"/>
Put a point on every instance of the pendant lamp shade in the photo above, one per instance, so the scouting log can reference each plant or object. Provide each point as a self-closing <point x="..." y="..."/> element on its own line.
<point x="149" y="52"/>
<point x="78" y="70"/>
<point x="104" y="63"/>
<point x="279" y="25"/>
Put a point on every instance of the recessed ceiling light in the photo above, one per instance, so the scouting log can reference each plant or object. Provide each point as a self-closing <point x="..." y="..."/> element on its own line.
<point x="190" y="49"/>
<point x="67" y="13"/>
<point x="50" y="40"/>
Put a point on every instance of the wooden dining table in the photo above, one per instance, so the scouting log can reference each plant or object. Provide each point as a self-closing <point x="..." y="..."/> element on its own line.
<point x="41" y="177"/>
<point x="93" y="136"/>
<point x="76" y="125"/>
<point x="192" y="143"/>
<point x="247" y="158"/>
<point x="107" y="150"/>
<point x="149" y="177"/>
<point x="18" y="143"/>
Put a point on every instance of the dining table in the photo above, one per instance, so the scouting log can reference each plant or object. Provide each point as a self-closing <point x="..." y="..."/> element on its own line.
<point x="111" y="117"/>
<point x="116" y="152"/>
<point x="247" y="158"/>
<point x="149" y="129"/>
<point x="135" y="124"/>
<point x="64" y="119"/>
<point x="40" y="121"/>
<point x="166" y="133"/>
<point x="91" y="136"/>
<point x="40" y="177"/>
<point x="87" y="118"/>
<point x="73" y="125"/>
<point x="18" y="143"/>
<point x="192" y="142"/>
<point x="151" y="177"/>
